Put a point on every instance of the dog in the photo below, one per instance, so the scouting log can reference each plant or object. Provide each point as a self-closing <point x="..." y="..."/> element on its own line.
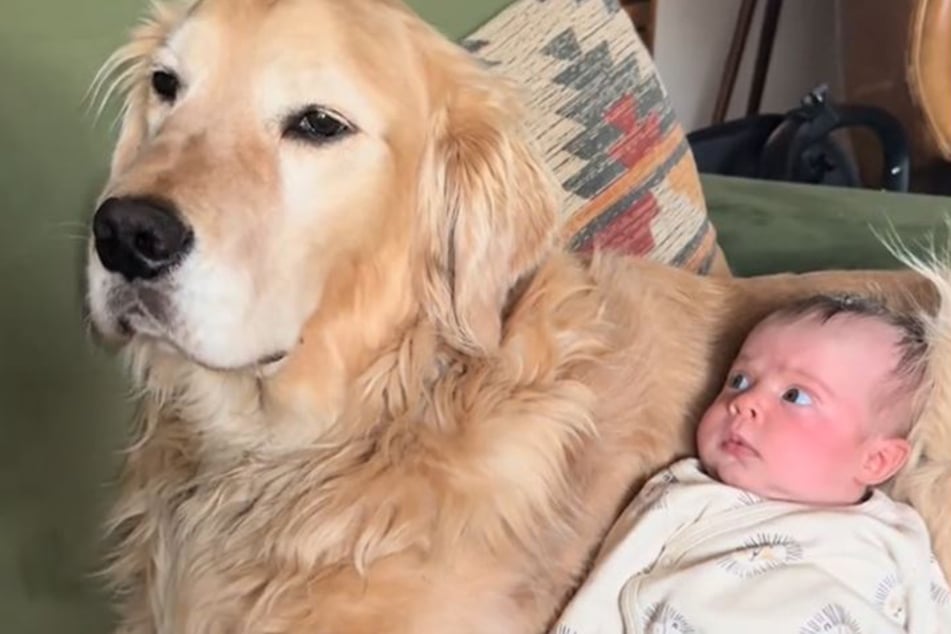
<point x="376" y="394"/>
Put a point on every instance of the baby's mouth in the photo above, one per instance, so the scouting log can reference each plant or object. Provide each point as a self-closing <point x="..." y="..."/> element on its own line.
<point x="736" y="445"/>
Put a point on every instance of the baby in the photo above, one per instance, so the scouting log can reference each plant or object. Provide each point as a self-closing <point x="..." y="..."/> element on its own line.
<point x="778" y="523"/>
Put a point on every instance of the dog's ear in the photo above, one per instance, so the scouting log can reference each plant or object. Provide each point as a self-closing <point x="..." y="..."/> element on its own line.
<point x="489" y="208"/>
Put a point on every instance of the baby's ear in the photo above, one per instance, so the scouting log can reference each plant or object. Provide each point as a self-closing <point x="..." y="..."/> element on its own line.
<point x="884" y="457"/>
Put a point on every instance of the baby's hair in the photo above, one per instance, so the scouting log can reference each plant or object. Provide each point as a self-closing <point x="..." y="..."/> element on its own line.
<point x="912" y="344"/>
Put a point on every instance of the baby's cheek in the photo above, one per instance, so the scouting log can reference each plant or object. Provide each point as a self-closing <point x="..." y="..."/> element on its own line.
<point x="704" y="429"/>
<point x="813" y="461"/>
<point x="800" y="458"/>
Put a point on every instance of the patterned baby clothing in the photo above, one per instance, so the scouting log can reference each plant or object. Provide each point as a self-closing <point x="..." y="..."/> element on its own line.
<point x="691" y="554"/>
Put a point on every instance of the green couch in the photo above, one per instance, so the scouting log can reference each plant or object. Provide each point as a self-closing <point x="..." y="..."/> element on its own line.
<point x="62" y="418"/>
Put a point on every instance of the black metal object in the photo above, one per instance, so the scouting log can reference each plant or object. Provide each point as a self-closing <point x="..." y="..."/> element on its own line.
<point x="798" y="146"/>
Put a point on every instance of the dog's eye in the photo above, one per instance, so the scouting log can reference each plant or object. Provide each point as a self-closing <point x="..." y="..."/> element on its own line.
<point x="165" y="85"/>
<point x="316" y="125"/>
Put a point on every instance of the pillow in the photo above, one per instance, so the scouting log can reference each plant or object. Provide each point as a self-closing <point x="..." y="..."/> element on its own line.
<point x="606" y="126"/>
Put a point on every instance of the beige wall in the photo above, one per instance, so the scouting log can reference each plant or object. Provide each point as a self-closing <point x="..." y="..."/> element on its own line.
<point x="693" y="37"/>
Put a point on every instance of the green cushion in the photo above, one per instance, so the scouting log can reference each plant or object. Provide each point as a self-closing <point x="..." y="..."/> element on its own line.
<point x="769" y="227"/>
<point x="457" y="18"/>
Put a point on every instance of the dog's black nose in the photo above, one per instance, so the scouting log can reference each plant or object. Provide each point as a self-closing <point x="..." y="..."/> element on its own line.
<point x="140" y="238"/>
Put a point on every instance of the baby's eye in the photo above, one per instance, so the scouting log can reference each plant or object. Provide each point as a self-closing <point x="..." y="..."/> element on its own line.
<point x="797" y="397"/>
<point x="738" y="381"/>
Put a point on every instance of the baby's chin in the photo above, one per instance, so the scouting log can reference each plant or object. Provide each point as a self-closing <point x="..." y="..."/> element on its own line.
<point x="737" y="475"/>
<point x="741" y="477"/>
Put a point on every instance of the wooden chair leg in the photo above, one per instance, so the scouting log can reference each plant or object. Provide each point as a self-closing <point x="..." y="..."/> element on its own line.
<point x="763" y="53"/>
<point x="741" y="32"/>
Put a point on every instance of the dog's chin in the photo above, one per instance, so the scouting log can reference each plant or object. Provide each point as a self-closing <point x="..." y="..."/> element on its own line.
<point x="262" y="366"/>
<point x="141" y="319"/>
<point x="135" y="332"/>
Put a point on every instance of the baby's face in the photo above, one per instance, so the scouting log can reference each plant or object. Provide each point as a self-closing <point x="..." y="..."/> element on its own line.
<point x="797" y="411"/>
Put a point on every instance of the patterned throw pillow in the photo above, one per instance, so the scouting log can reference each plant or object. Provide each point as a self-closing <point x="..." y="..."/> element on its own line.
<point x="607" y="128"/>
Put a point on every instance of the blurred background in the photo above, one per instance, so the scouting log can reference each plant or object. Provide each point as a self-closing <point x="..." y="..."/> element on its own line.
<point x="60" y="421"/>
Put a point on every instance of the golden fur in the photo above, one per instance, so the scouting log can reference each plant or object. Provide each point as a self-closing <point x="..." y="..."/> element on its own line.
<point x="925" y="483"/>
<point x="463" y="407"/>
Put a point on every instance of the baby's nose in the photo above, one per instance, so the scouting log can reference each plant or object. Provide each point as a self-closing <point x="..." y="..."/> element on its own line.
<point x="745" y="405"/>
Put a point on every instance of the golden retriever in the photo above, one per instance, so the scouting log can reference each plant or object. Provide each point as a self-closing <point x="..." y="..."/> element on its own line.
<point x="376" y="395"/>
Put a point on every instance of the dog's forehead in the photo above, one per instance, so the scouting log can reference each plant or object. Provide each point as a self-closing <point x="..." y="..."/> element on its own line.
<point x="241" y="26"/>
<point x="325" y="25"/>
<point x="297" y="50"/>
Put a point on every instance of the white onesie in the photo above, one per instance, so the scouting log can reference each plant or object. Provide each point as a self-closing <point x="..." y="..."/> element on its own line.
<point x="691" y="554"/>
